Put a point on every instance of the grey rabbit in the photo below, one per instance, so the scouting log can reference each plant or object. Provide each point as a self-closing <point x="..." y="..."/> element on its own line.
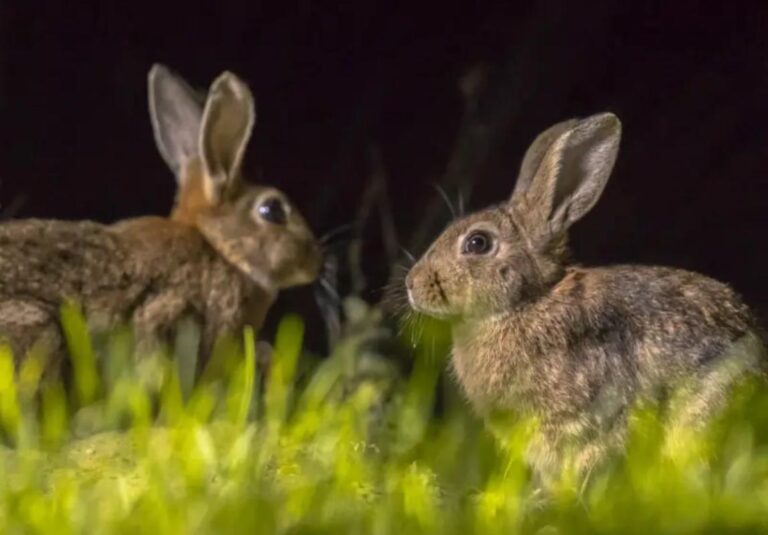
<point x="574" y="347"/>
<point x="221" y="256"/>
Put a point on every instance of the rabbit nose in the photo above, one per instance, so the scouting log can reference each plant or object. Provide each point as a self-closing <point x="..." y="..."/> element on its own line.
<point x="409" y="287"/>
<point x="409" y="282"/>
<point x="409" y="290"/>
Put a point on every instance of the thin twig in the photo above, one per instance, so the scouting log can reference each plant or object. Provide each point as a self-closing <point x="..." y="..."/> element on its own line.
<point x="12" y="209"/>
<point x="355" y="249"/>
<point x="445" y="198"/>
<point x="327" y="298"/>
<point x="495" y="97"/>
<point x="388" y="229"/>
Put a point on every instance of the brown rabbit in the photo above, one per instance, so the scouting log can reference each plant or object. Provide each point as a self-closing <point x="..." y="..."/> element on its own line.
<point x="575" y="347"/>
<point x="221" y="256"/>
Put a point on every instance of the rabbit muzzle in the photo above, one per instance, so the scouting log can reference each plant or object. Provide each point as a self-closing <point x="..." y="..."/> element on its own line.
<point x="308" y="266"/>
<point x="427" y="293"/>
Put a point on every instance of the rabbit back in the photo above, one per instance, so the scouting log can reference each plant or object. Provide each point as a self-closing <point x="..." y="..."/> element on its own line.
<point x="43" y="262"/>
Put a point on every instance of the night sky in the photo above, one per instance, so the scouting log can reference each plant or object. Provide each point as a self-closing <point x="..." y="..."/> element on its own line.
<point x="689" y="80"/>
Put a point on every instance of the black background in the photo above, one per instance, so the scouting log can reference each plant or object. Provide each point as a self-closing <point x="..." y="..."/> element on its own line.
<point x="688" y="79"/>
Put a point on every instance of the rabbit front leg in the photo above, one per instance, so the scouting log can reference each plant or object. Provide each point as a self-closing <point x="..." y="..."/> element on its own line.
<point x="254" y="315"/>
<point x="167" y="319"/>
<point x="155" y="318"/>
<point x="597" y="452"/>
<point x="575" y="446"/>
<point x="232" y="304"/>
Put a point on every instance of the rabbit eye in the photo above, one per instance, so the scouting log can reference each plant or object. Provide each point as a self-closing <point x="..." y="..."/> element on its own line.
<point x="272" y="210"/>
<point x="477" y="243"/>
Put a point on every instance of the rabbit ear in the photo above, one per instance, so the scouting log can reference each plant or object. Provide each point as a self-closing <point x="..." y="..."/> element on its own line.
<point x="176" y="111"/>
<point x="535" y="153"/>
<point x="572" y="173"/>
<point x="227" y="123"/>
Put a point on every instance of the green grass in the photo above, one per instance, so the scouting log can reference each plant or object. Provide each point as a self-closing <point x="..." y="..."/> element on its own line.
<point x="341" y="445"/>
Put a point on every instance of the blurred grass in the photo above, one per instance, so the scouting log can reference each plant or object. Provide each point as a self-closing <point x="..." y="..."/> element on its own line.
<point x="343" y="445"/>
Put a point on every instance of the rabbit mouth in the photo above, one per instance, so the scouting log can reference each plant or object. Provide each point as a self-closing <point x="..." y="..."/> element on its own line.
<point x="430" y="309"/>
<point x="433" y="312"/>
<point x="300" y="277"/>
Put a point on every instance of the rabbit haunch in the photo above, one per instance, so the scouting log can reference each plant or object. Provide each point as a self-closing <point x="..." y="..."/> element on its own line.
<point x="576" y="347"/>
<point x="217" y="258"/>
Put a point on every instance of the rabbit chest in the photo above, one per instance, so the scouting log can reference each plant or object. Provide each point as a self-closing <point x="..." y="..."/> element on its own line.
<point x="546" y="363"/>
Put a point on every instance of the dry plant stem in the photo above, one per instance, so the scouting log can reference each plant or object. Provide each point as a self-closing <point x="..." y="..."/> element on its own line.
<point x="10" y="210"/>
<point x="388" y="230"/>
<point x="375" y="197"/>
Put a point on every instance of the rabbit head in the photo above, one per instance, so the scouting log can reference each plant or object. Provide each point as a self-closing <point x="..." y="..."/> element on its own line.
<point x="489" y="261"/>
<point x="203" y="139"/>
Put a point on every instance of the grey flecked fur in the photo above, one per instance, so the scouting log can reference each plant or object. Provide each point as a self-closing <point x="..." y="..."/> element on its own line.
<point x="576" y="347"/>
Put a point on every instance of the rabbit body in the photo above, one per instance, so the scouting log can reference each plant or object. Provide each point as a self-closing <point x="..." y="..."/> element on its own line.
<point x="147" y="271"/>
<point x="574" y="347"/>
<point x="600" y="341"/>
<point x="221" y="257"/>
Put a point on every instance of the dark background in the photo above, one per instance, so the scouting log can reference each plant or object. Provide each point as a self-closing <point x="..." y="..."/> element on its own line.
<point x="688" y="79"/>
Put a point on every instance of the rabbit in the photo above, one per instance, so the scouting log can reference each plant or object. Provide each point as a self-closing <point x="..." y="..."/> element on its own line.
<point x="220" y="257"/>
<point x="574" y="347"/>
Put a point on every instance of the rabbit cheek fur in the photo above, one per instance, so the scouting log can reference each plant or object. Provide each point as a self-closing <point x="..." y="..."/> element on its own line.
<point x="275" y="256"/>
<point x="447" y="284"/>
<point x="573" y="347"/>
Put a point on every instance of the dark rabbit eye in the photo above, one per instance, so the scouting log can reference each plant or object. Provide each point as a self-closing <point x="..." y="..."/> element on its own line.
<point x="477" y="243"/>
<point x="273" y="210"/>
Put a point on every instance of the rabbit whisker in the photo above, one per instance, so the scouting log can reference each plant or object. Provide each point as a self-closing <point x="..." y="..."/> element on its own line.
<point x="329" y="312"/>
<point x="332" y="292"/>
<point x="401" y="328"/>
<point x="404" y="323"/>
<point x="445" y="198"/>
<point x="408" y="254"/>
<point x="330" y="265"/>
<point x="402" y="271"/>
<point x="335" y="232"/>
<point x="432" y="352"/>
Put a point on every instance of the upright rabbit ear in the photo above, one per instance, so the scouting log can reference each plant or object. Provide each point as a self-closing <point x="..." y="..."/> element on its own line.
<point x="176" y="111"/>
<point x="535" y="153"/>
<point x="571" y="174"/>
<point x="227" y="123"/>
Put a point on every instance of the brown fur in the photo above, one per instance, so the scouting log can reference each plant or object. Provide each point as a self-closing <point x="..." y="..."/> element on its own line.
<point x="214" y="259"/>
<point x="575" y="347"/>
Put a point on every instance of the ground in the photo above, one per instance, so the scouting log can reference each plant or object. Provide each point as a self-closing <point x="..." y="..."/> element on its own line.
<point x="318" y="455"/>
